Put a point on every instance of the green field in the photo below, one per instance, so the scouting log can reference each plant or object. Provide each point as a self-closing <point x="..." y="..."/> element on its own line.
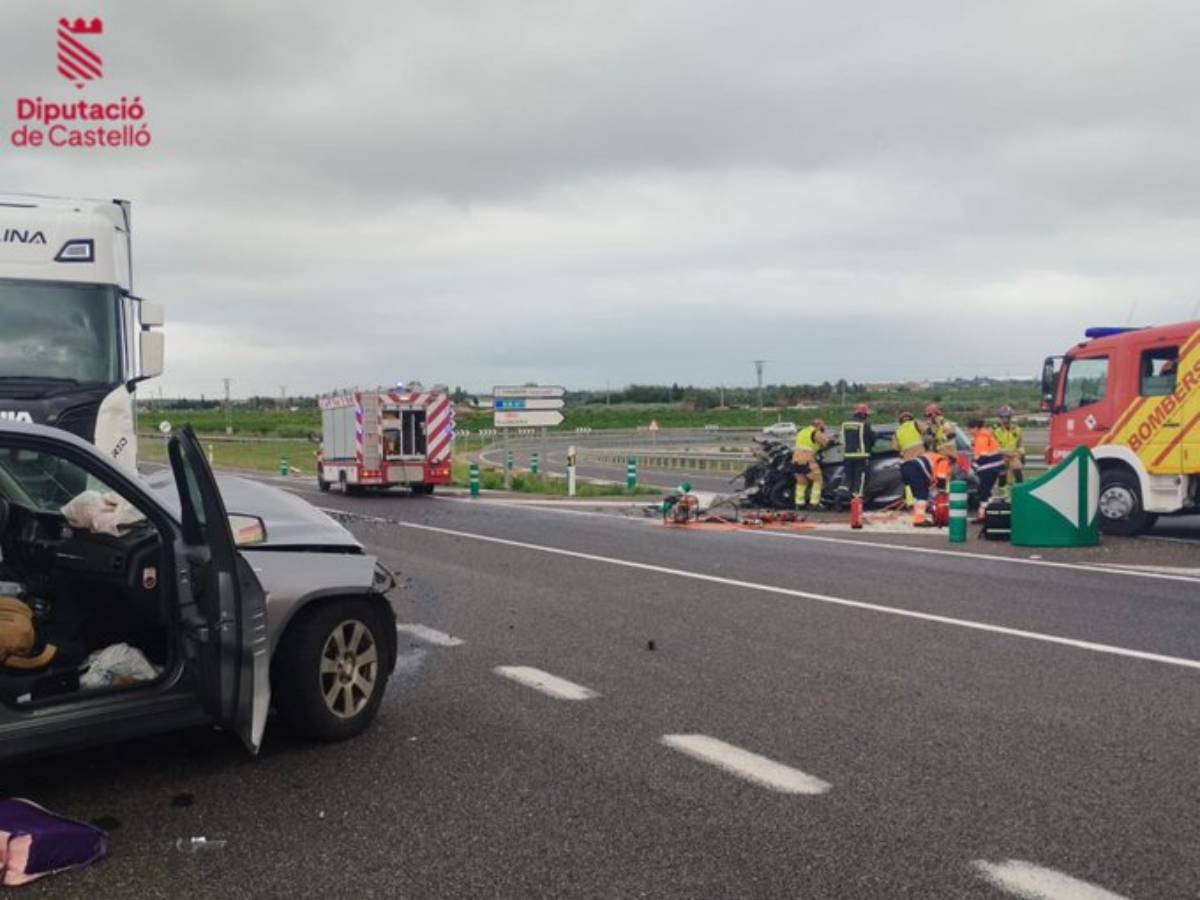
<point x="256" y="456"/>
<point x="958" y="403"/>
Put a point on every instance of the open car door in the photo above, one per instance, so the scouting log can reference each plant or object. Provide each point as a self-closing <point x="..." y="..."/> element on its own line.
<point x="222" y="606"/>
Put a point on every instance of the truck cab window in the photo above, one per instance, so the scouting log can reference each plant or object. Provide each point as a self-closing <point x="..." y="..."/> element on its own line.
<point x="1087" y="382"/>
<point x="1158" y="371"/>
<point x="59" y="332"/>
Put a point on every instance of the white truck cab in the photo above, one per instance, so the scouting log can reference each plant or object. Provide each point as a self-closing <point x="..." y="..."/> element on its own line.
<point x="74" y="339"/>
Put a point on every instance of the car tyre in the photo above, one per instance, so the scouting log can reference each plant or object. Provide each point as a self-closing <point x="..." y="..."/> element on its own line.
<point x="1121" y="509"/>
<point x="782" y="495"/>
<point x="331" y="670"/>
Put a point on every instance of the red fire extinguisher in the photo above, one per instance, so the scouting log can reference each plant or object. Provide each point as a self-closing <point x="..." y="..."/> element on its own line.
<point x="856" y="512"/>
<point x="941" y="509"/>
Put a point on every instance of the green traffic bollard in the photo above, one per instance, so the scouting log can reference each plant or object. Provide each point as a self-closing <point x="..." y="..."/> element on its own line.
<point x="533" y="463"/>
<point x="284" y="466"/>
<point x="508" y="460"/>
<point x="473" y="479"/>
<point x="958" y="512"/>
<point x="631" y="472"/>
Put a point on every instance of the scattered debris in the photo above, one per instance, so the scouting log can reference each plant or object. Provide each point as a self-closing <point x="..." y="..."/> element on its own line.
<point x="198" y="844"/>
<point x="649" y="645"/>
<point x="183" y="800"/>
<point x="117" y="665"/>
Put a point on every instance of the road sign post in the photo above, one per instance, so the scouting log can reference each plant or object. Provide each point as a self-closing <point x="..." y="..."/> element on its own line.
<point x="571" y="471"/>
<point x="631" y="472"/>
<point x="473" y="479"/>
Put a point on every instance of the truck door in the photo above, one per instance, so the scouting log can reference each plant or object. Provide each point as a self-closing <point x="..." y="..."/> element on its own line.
<point x="223" y="609"/>
<point x="1084" y="413"/>
<point x="1157" y="427"/>
<point x="413" y="428"/>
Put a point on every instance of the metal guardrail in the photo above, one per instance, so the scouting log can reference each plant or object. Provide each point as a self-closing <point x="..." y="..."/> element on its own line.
<point x="708" y="462"/>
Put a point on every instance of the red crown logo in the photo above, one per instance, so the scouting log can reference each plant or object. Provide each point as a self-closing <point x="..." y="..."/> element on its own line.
<point x="77" y="62"/>
<point x="79" y="26"/>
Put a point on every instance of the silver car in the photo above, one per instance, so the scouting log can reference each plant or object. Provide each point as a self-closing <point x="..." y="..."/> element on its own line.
<point x="174" y="600"/>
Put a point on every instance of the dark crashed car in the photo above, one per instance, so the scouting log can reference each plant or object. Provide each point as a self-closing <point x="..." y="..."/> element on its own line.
<point x="771" y="480"/>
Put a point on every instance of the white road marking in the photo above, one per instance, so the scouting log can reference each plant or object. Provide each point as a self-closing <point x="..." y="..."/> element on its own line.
<point x="430" y="635"/>
<point x="551" y="685"/>
<point x="1091" y="646"/>
<point x="1189" y="571"/>
<point x="758" y="769"/>
<point x="1032" y="882"/>
<point x="1078" y="567"/>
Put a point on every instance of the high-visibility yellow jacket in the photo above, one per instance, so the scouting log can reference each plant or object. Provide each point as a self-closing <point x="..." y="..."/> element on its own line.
<point x="908" y="435"/>
<point x="806" y="439"/>
<point x="1010" y="438"/>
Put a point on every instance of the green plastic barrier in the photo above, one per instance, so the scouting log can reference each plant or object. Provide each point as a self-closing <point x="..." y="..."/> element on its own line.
<point x="1061" y="508"/>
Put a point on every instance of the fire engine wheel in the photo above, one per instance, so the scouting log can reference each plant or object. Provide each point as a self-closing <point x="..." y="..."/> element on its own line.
<point x="322" y="484"/>
<point x="1121" y="511"/>
<point x="330" y="671"/>
<point x="422" y="488"/>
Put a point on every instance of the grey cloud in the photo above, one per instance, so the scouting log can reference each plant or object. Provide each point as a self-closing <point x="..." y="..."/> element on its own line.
<point x="471" y="191"/>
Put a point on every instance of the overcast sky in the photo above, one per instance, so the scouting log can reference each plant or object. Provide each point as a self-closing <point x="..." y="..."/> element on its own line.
<point x="582" y="193"/>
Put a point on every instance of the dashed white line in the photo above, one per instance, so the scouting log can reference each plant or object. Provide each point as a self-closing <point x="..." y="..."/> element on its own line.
<point x="762" y="771"/>
<point x="1091" y="646"/>
<point x="550" y="685"/>
<point x="1033" y="882"/>
<point x="430" y="635"/>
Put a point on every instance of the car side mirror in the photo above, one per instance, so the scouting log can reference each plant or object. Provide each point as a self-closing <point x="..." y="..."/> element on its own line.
<point x="247" y="530"/>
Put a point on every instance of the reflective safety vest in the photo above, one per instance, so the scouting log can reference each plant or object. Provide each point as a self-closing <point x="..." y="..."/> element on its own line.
<point x="806" y="439"/>
<point x="985" y="443"/>
<point x="1009" y="438"/>
<point x="908" y="435"/>
<point x="854" y="439"/>
<point x="935" y="467"/>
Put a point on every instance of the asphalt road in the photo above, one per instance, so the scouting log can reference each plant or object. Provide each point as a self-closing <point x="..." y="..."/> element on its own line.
<point x="753" y="715"/>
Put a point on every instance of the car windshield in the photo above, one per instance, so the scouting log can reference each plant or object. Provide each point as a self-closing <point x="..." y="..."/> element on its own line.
<point x="51" y="331"/>
<point x="41" y="480"/>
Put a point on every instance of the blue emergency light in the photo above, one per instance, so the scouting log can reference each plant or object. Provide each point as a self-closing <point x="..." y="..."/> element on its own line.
<point x="1106" y="331"/>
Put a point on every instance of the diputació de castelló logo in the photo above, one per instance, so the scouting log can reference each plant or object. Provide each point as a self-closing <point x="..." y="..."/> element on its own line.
<point x="81" y="123"/>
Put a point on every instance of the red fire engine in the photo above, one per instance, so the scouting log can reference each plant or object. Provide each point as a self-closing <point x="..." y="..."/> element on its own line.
<point x="1133" y="396"/>
<point x="382" y="439"/>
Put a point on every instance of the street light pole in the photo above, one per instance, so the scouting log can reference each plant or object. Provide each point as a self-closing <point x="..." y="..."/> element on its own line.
<point x="758" y="367"/>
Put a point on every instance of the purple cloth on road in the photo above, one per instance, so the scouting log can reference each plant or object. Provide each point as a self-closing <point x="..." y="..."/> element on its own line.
<point x="36" y="842"/>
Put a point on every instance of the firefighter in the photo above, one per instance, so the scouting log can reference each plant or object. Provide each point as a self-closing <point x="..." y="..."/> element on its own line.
<point x="939" y="431"/>
<point x="910" y="444"/>
<point x="1012" y="445"/>
<point x="857" y="440"/>
<point x="809" y="481"/>
<point x="988" y="461"/>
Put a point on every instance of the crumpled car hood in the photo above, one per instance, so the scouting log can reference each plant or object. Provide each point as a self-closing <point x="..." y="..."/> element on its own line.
<point x="290" y="521"/>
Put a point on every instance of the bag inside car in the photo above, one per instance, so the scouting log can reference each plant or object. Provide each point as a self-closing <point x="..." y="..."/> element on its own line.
<point x="82" y="608"/>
